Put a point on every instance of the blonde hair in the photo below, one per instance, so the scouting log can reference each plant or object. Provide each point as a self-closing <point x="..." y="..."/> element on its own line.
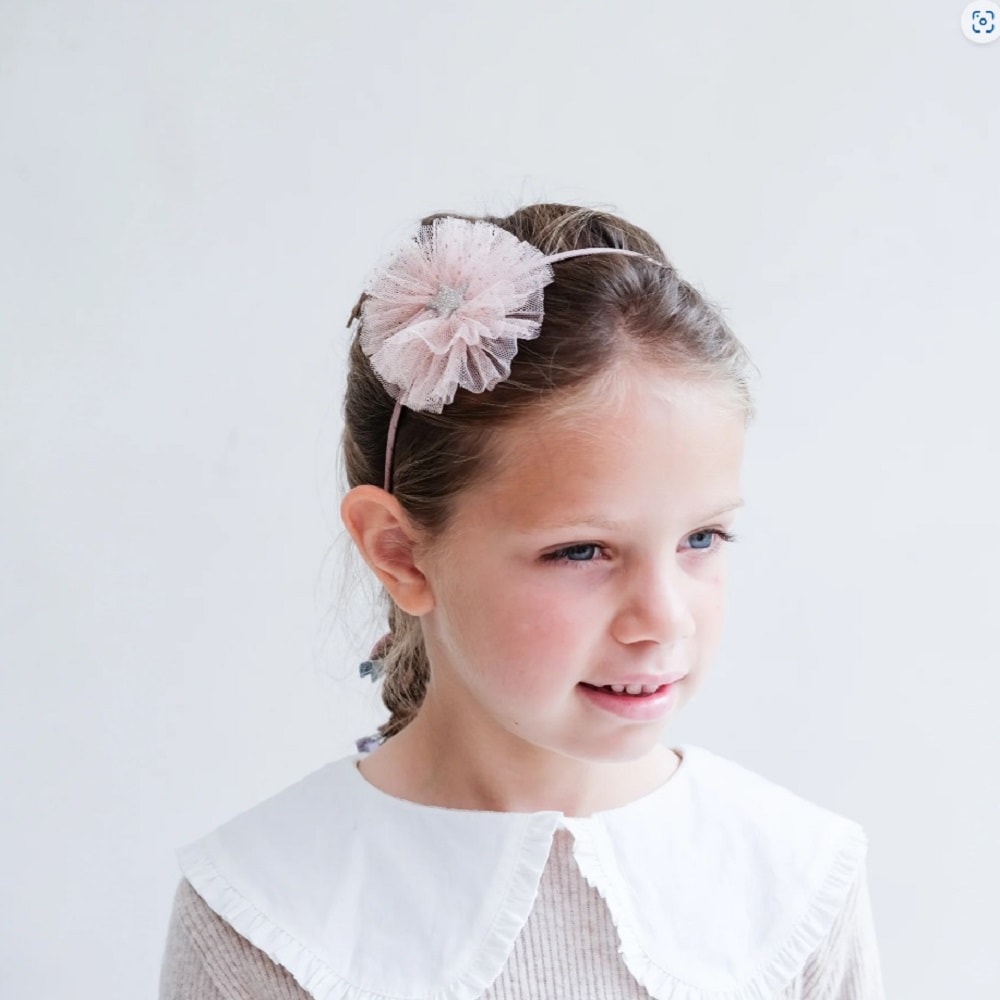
<point x="598" y="310"/>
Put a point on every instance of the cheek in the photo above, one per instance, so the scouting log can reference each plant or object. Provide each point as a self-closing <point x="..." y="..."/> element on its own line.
<point x="706" y="590"/>
<point x="533" y="626"/>
<point x="511" y="620"/>
<point x="712" y="606"/>
<point x="533" y="634"/>
<point x="514" y="602"/>
<point x="557" y="610"/>
<point x="709" y="614"/>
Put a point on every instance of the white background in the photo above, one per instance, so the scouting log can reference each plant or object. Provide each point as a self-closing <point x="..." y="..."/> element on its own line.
<point x="191" y="195"/>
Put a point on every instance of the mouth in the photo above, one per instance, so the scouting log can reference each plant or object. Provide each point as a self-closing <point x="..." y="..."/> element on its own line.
<point x="633" y="702"/>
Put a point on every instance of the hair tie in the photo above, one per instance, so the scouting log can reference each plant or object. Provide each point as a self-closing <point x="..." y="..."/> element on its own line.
<point x="372" y="667"/>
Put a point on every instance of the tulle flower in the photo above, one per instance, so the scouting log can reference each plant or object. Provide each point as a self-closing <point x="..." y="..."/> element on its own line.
<point x="447" y="309"/>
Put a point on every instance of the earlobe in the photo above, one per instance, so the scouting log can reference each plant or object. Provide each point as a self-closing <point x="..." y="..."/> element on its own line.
<point x="387" y="541"/>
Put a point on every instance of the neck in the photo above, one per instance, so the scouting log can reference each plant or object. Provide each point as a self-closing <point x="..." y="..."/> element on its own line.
<point x="436" y="763"/>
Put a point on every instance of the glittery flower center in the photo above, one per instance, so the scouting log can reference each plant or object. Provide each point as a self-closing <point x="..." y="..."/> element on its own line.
<point x="447" y="300"/>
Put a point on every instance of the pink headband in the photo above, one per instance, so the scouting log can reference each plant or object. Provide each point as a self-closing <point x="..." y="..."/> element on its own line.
<point x="447" y="308"/>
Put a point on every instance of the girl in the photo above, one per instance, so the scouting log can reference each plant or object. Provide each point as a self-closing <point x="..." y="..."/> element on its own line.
<point x="543" y="437"/>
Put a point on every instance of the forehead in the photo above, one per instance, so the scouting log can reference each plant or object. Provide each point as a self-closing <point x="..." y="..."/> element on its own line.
<point x="649" y="445"/>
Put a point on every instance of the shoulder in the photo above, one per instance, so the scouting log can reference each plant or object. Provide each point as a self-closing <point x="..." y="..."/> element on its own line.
<point x="206" y="959"/>
<point x="714" y="807"/>
<point x="782" y="845"/>
<point x="308" y="876"/>
<point x="736" y="877"/>
<point x="742" y="800"/>
<point x="240" y="878"/>
<point x="329" y="794"/>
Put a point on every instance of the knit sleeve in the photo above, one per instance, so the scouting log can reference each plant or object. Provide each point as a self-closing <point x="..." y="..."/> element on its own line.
<point x="205" y="959"/>
<point x="846" y="966"/>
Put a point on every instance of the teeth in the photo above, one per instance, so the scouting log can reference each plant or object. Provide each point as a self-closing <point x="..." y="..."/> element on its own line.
<point x="632" y="688"/>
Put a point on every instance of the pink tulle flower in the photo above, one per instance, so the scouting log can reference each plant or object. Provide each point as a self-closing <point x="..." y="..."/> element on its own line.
<point x="447" y="309"/>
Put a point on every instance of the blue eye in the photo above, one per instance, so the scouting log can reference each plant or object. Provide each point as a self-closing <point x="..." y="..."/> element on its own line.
<point x="703" y="540"/>
<point x="584" y="552"/>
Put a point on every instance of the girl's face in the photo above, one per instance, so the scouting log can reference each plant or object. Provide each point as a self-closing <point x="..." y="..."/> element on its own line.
<point x="588" y="565"/>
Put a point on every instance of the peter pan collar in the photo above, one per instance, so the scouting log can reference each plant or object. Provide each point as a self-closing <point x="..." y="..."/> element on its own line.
<point x="720" y="884"/>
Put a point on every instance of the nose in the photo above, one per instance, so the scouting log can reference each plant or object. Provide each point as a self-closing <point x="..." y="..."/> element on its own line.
<point x="655" y="606"/>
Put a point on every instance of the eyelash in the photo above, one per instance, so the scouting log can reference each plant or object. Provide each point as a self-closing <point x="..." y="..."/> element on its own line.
<point x="562" y="555"/>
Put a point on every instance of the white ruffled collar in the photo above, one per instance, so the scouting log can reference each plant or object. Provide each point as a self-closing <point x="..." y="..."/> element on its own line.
<point x="720" y="884"/>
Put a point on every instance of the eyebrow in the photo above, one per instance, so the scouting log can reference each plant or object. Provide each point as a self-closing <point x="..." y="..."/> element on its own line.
<point x="584" y="521"/>
<point x="607" y="524"/>
<point x="728" y="509"/>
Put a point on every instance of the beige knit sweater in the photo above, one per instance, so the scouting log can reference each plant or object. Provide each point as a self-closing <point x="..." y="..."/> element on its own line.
<point x="568" y="950"/>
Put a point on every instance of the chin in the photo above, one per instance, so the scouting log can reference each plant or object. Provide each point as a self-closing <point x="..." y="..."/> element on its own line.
<point x="625" y="747"/>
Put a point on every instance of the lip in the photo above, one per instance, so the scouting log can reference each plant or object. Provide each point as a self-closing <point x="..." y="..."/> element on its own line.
<point x="635" y="707"/>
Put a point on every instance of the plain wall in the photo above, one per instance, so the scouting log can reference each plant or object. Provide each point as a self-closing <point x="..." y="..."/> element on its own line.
<point x="191" y="196"/>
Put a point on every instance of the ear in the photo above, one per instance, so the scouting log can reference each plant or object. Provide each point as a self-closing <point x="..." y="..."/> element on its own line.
<point x="387" y="540"/>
